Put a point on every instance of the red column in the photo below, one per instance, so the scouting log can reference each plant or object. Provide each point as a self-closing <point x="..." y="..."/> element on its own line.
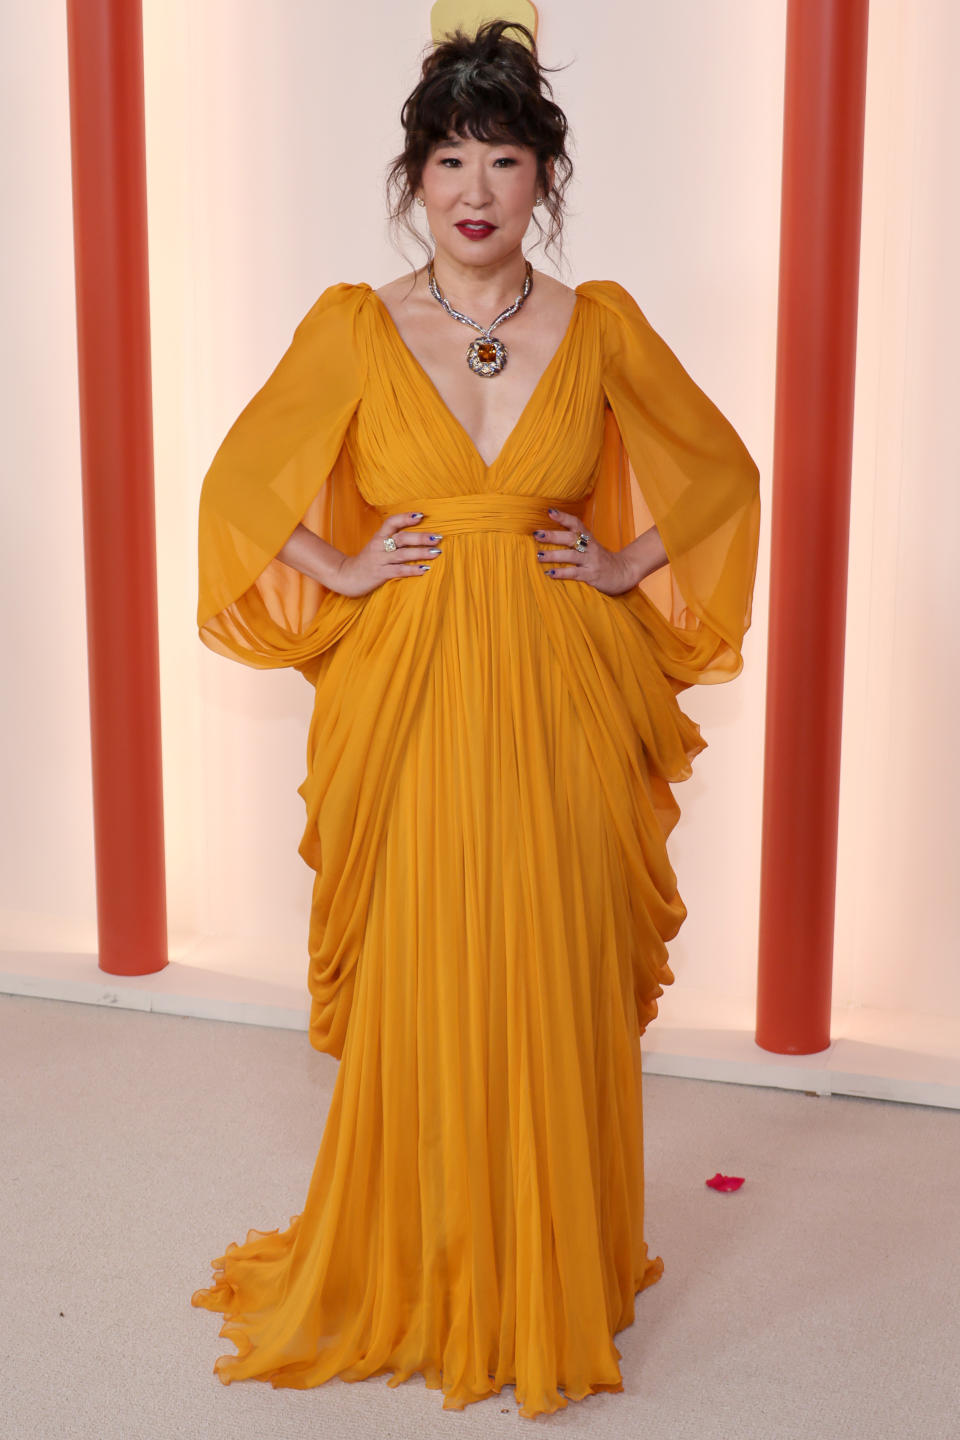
<point x="816" y="356"/>
<point x="105" y="48"/>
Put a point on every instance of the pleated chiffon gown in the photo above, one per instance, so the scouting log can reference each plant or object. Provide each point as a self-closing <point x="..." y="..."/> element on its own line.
<point x="488" y="799"/>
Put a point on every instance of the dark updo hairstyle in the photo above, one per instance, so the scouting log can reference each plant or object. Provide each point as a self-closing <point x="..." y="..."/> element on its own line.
<point x="490" y="87"/>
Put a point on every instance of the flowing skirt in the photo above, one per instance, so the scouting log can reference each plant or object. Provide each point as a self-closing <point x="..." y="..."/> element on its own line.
<point x="487" y="810"/>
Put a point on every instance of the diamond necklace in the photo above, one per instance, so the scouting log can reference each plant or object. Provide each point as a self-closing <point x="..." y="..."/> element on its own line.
<point x="487" y="355"/>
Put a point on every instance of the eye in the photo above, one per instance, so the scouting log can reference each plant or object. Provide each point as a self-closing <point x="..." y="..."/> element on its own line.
<point x="501" y="160"/>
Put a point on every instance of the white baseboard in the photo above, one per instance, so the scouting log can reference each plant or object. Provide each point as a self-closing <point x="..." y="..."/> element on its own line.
<point x="877" y="1054"/>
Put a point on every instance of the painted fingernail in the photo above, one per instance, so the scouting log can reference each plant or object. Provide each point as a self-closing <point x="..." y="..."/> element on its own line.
<point x="538" y="534"/>
<point x="550" y="572"/>
<point x="551" y="511"/>
<point x="539" y="554"/>
<point x="424" y="567"/>
<point x="436" y="537"/>
<point x="433" y="550"/>
<point x="417" y="515"/>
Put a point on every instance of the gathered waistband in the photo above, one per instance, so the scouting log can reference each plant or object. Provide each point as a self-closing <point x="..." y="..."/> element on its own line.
<point x="484" y="510"/>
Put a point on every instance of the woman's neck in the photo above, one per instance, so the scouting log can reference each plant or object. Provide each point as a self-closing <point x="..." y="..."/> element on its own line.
<point x="484" y="288"/>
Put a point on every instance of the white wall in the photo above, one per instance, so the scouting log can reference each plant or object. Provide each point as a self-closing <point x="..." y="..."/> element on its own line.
<point x="269" y="127"/>
<point x="46" y="860"/>
<point x="898" y="924"/>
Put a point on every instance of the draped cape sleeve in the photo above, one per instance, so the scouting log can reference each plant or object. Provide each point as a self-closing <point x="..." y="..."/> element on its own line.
<point x="283" y="463"/>
<point x="671" y="459"/>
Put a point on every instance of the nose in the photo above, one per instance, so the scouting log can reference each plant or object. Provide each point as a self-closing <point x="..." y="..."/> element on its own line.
<point x="476" y="187"/>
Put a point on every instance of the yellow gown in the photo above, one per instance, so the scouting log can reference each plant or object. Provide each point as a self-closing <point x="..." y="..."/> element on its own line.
<point x="487" y="806"/>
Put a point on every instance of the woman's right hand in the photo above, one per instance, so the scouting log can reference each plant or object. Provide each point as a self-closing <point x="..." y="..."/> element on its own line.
<point x="370" y="567"/>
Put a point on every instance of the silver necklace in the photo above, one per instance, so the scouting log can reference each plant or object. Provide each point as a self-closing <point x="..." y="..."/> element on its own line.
<point x="487" y="355"/>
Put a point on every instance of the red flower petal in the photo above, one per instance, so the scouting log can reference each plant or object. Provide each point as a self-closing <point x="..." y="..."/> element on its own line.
<point x="725" y="1182"/>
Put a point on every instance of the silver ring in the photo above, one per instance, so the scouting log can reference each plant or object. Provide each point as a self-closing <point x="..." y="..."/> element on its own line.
<point x="582" y="539"/>
<point x="389" y="543"/>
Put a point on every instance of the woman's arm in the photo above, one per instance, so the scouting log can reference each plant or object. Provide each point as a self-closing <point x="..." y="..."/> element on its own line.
<point x="645" y="554"/>
<point x="306" y="552"/>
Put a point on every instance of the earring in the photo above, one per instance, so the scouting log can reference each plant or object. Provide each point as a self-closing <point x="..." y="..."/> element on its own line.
<point x="539" y="200"/>
<point x="420" y="200"/>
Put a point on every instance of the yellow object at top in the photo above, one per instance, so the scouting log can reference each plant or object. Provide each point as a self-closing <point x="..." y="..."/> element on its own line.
<point x="468" y="15"/>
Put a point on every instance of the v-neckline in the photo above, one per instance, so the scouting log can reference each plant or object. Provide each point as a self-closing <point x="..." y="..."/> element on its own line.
<point x="426" y="378"/>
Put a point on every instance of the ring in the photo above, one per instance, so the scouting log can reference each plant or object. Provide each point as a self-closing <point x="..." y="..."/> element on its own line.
<point x="582" y="539"/>
<point x="389" y="543"/>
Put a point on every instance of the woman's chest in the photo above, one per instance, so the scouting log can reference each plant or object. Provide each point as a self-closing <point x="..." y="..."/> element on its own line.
<point x="404" y="433"/>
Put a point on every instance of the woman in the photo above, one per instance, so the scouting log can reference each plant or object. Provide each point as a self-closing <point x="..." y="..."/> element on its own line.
<point x="499" y="572"/>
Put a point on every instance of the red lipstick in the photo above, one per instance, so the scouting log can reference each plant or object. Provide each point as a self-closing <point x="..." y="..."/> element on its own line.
<point x="475" y="229"/>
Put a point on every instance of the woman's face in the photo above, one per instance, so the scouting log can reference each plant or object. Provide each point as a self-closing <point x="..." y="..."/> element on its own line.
<point x="495" y="183"/>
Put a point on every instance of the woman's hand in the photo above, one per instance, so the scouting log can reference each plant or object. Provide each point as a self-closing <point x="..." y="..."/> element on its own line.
<point x="611" y="571"/>
<point x="370" y="567"/>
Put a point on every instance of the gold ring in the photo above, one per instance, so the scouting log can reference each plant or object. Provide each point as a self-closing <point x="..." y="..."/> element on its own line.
<point x="582" y="539"/>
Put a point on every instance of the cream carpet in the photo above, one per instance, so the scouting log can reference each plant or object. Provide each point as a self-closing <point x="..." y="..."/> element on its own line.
<point x="819" y="1300"/>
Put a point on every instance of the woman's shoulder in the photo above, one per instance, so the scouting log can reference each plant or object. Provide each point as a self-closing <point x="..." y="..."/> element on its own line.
<point x="610" y="294"/>
<point x="337" y="302"/>
<point x="392" y="292"/>
<point x="618" y="318"/>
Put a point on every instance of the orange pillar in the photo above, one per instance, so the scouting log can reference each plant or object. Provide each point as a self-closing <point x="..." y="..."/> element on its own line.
<point x="105" y="50"/>
<point x="826" y="63"/>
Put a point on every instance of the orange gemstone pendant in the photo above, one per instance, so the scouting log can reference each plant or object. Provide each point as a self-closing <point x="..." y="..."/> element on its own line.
<point x="486" y="356"/>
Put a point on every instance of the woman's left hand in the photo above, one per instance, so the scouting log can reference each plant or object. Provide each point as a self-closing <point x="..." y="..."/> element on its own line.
<point x="610" y="571"/>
